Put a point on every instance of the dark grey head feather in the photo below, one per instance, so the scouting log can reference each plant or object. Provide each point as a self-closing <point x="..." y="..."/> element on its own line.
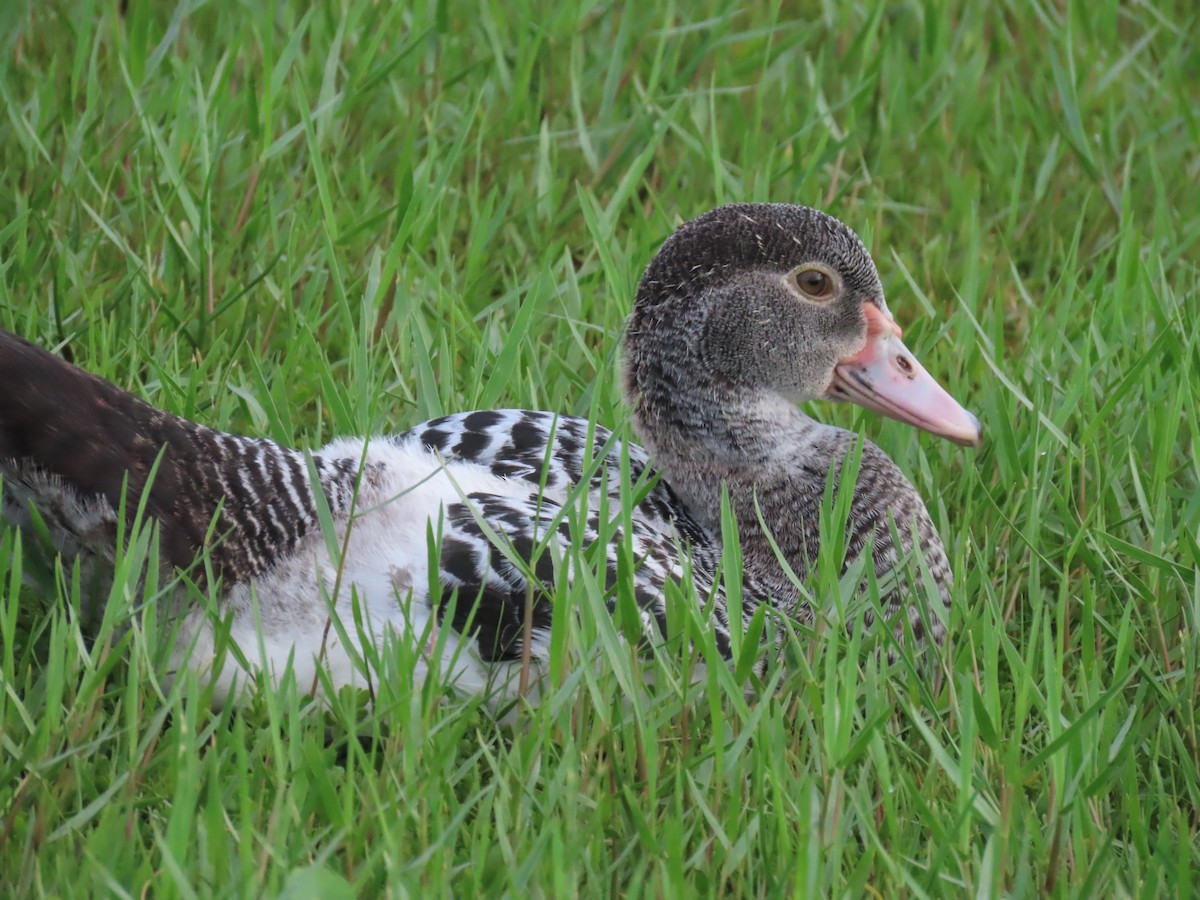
<point x="718" y="351"/>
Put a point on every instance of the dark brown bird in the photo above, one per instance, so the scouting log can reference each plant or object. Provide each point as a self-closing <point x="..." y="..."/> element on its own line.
<point x="744" y="313"/>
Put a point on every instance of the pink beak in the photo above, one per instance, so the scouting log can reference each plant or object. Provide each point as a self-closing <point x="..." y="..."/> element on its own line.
<point x="885" y="377"/>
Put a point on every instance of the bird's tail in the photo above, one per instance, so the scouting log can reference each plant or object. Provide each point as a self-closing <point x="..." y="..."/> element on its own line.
<point x="75" y="446"/>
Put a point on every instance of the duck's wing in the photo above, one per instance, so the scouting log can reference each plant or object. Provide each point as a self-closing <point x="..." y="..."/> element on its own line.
<point x="497" y="570"/>
<point x="554" y="453"/>
<point x="78" y="449"/>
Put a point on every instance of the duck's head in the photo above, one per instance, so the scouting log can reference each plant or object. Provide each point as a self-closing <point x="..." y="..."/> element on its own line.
<point x="779" y="299"/>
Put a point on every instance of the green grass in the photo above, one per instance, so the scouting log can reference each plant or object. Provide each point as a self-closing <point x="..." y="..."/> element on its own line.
<point x="306" y="223"/>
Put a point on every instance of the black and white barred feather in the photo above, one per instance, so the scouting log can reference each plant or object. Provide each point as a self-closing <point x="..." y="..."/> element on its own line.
<point x="79" y="449"/>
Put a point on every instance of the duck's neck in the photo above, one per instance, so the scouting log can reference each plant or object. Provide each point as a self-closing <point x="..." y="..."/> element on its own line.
<point x="773" y="459"/>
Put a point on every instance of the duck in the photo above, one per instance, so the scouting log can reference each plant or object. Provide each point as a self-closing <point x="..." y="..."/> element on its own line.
<point x="440" y="532"/>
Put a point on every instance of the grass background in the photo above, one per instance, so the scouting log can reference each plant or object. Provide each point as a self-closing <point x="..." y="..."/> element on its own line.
<point x="300" y="222"/>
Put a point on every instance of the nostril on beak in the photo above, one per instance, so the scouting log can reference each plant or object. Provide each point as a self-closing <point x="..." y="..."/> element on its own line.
<point x="905" y="366"/>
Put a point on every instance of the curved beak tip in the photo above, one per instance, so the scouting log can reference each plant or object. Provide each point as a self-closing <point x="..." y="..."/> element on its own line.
<point x="971" y="436"/>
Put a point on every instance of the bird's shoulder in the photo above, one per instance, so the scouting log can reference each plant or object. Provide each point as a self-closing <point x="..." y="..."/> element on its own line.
<point x="554" y="453"/>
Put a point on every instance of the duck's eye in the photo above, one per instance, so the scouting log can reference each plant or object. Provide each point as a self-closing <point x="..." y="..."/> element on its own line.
<point x="814" y="283"/>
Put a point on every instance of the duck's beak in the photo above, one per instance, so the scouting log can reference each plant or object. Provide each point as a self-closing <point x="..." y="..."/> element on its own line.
<point x="885" y="377"/>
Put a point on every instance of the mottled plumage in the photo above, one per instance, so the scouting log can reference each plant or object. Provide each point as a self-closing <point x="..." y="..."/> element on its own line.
<point x="742" y="314"/>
